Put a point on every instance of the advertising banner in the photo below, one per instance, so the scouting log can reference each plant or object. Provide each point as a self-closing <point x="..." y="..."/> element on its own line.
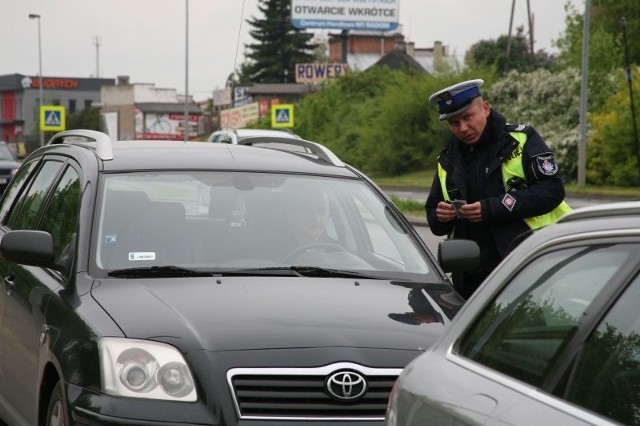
<point x="164" y="126"/>
<point x="240" y="117"/>
<point x="377" y="15"/>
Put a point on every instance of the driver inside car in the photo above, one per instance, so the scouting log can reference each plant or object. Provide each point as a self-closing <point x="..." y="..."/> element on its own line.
<point x="308" y="216"/>
<point x="294" y="231"/>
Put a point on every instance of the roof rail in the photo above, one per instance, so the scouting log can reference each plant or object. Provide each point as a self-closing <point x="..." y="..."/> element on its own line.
<point x="608" y="210"/>
<point x="103" y="147"/>
<point x="314" y="148"/>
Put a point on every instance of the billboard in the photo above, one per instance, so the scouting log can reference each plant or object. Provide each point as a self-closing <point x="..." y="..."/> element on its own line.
<point x="240" y="116"/>
<point x="379" y="15"/>
<point x="164" y="125"/>
<point x="314" y="73"/>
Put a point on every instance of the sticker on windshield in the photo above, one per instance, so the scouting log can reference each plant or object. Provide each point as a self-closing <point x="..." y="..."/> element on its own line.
<point x="142" y="255"/>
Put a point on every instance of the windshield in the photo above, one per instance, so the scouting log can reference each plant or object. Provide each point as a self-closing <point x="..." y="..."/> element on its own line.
<point x="235" y="221"/>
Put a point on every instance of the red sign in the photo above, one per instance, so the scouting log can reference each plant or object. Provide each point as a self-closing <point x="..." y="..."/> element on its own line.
<point x="55" y="83"/>
<point x="263" y="106"/>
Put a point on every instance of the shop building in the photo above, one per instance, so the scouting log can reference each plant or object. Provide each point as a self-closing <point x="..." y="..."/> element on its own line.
<point x="142" y="111"/>
<point x="20" y="101"/>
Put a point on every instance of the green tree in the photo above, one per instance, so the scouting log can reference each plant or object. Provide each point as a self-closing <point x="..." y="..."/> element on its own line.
<point x="88" y="118"/>
<point x="278" y="47"/>
<point x="612" y="152"/>
<point x="607" y="16"/>
<point x="548" y="101"/>
<point x="378" y="120"/>
<point x="605" y="52"/>
<point x="520" y="58"/>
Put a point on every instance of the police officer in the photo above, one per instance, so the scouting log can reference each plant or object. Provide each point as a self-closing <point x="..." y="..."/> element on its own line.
<point x="495" y="182"/>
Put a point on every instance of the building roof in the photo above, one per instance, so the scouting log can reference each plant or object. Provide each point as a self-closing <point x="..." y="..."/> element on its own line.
<point x="401" y="61"/>
<point x="280" y="89"/>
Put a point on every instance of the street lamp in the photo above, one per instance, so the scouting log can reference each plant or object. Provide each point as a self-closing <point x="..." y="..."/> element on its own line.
<point x="36" y="16"/>
<point x="186" y="74"/>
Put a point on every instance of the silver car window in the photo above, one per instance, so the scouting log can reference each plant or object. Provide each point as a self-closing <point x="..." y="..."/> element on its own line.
<point x="606" y="378"/>
<point x="524" y="328"/>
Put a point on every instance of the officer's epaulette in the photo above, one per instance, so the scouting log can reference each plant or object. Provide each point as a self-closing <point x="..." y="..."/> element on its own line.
<point x="517" y="128"/>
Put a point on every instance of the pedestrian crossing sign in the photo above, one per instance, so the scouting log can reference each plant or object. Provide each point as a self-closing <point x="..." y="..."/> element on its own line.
<point x="52" y="118"/>
<point x="282" y="115"/>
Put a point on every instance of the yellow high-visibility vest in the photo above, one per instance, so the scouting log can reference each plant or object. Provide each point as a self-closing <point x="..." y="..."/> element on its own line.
<point x="513" y="168"/>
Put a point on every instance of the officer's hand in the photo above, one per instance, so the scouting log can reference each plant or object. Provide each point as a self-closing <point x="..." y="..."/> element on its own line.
<point x="445" y="212"/>
<point x="472" y="212"/>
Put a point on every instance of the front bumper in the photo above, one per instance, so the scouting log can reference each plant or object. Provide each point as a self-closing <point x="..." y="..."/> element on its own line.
<point x="89" y="408"/>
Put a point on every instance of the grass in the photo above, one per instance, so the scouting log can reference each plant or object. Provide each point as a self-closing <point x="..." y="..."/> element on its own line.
<point x="415" y="180"/>
<point x="409" y="207"/>
<point x="421" y="180"/>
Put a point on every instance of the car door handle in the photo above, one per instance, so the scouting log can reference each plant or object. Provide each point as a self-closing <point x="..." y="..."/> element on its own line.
<point x="8" y="283"/>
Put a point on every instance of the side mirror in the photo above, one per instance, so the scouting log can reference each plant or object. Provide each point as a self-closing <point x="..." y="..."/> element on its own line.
<point x="28" y="247"/>
<point x="458" y="255"/>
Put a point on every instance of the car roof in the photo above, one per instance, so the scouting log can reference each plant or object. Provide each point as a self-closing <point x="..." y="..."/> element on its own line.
<point x="179" y="155"/>
<point x="603" y="220"/>
<point x="623" y="208"/>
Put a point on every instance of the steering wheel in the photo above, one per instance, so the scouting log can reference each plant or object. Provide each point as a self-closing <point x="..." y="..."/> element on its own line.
<point x="322" y="246"/>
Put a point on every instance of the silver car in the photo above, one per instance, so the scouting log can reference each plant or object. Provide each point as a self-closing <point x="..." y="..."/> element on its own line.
<point x="551" y="337"/>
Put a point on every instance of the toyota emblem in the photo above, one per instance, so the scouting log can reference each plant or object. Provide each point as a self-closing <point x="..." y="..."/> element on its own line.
<point x="346" y="385"/>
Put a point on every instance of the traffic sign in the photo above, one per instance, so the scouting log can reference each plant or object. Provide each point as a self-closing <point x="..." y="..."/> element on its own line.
<point x="52" y="118"/>
<point x="282" y="115"/>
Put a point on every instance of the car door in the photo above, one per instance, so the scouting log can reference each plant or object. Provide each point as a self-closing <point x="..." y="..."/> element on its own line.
<point x="9" y="199"/>
<point x="605" y="378"/>
<point x="25" y="290"/>
<point x="534" y="332"/>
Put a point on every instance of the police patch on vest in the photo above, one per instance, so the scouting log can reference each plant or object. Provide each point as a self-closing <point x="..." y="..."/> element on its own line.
<point x="509" y="202"/>
<point x="547" y="164"/>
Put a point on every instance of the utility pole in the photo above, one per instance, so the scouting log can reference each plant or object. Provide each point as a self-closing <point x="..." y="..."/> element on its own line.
<point x="513" y="6"/>
<point x="186" y="74"/>
<point x="96" y="43"/>
<point x="584" y="90"/>
<point x="41" y="88"/>
<point x="531" y="21"/>
<point x="629" y="80"/>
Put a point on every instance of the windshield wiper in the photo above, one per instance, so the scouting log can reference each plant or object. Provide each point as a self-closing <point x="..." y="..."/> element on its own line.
<point x="315" y="271"/>
<point x="158" y="271"/>
<point x="176" y="271"/>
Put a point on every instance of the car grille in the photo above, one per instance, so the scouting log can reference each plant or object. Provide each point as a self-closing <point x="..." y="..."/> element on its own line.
<point x="303" y="393"/>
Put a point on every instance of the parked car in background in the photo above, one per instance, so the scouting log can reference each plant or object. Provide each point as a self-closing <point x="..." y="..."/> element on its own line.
<point x="173" y="283"/>
<point x="551" y="337"/>
<point x="9" y="164"/>
<point x="234" y="135"/>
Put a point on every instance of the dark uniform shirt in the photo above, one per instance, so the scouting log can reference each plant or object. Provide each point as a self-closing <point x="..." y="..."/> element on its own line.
<point x="474" y="173"/>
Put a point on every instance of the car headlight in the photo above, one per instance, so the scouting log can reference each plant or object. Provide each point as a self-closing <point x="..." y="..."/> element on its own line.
<point x="144" y="369"/>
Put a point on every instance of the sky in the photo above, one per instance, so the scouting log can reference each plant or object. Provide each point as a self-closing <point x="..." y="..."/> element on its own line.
<point x="147" y="39"/>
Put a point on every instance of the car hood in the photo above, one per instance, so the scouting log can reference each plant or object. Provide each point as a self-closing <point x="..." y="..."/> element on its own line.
<point x="243" y="313"/>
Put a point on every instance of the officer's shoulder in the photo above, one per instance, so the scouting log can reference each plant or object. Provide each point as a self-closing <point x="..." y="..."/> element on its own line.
<point x="522" y="128"/>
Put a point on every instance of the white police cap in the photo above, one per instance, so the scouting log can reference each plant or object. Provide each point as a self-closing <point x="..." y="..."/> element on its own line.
<point x="456" y="99"/>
